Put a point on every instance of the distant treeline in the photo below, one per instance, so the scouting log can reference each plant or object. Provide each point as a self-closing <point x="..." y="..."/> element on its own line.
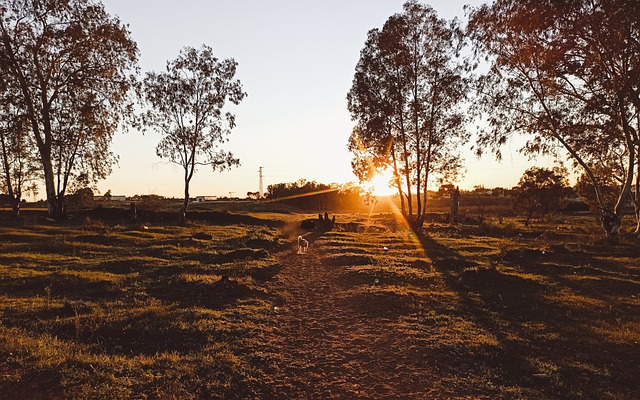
<point x="316" y="196"/>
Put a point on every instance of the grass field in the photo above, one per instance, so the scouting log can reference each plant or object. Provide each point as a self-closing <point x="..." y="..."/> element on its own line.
<point x="224" y="308"/>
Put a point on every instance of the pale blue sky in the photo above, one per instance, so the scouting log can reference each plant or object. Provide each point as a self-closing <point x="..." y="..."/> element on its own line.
<point x="296" y="62"/>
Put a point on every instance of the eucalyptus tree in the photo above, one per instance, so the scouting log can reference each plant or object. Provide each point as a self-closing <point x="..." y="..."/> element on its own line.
<point x="186" y="105"/>
<point x="17" y="156"/>
<point x="15" y="162"/>
<point x="405" y="99"/>
<point x="19" y="164"/>
<point x="71" y="63"/>
<point x="567" y="75"/>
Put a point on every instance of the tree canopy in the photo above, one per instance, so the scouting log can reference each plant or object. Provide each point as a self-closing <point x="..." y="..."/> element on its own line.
<point x="540" y="191"/>
<point x="18" y="161"/>
<point x="186" y="107"/>
<point x="311" y="195"/>
<point x="567" y="75"/>
<point x="67" y="65"/>
<point x="405" y="99"/>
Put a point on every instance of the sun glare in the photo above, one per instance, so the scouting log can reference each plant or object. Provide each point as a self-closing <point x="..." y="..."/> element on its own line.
<point x="379" y="184"/>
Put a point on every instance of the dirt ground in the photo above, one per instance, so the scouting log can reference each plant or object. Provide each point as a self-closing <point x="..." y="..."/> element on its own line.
<point x="339" y="339"/>
<point x="467" y="332"/>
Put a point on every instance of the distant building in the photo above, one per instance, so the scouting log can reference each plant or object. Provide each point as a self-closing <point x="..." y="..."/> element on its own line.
<point x="200" y="199"/>
<point x="110" y="198"/>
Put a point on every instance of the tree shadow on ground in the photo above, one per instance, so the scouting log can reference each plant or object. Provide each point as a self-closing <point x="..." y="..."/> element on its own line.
<point x="215" y="295"/>
<point x="144" y="333"/>
<point x="60" y="286"/>
<point x="588" y="274"/>
<point x="545" y="347"/>
<point x="41" y="383"/>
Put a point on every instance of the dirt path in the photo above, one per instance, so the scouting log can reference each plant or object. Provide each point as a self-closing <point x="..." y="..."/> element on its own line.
<point x="338" y="345"/>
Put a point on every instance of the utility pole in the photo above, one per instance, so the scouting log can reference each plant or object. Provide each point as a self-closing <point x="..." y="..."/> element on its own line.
<point x="260" y="187"/>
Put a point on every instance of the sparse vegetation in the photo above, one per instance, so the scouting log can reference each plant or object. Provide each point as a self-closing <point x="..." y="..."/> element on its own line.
<point x="113" y="310"/>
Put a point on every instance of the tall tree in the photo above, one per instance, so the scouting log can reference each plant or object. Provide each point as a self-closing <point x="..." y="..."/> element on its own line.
<point x="18" y="161"/>
<point x="186" y="106"/>
<point x="567" y="75"/>
<point x="405" y="99"/>
<point x="17" y="156"/>
<point x="71" y="63"/>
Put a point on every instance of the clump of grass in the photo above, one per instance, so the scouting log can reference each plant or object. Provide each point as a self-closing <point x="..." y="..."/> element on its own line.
<point x="620" y="331"/>
<point x="349" y="259"/>
<point x="506" y="229"/>
<point x="47" y="291"/>
<point x="455" y="331"/>
<point x="95" y="225"/>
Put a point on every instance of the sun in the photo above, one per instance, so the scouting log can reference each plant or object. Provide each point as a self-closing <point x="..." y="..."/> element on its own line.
<point x="379" y="184"/>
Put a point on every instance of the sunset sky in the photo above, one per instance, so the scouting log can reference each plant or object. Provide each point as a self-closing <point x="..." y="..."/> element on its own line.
<point x="296" y="62"/>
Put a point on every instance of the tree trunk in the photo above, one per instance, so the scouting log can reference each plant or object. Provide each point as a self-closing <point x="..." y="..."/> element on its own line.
<point x="43" y="141"/>
<point x="611" y="225"/>
<point x="636" y="210"/>
<point x="407" y="173"/>
<point x="49" y="184"/>
<point x="415" y="223"/>
<point x="61" y="208"/>
<point x="185" y="203"/>
<point x="54" y="205"/>
<point x="613" y="222"/>
<point x="15" y="205"/>
<point x="636" y="193"/>
<point x="529" y="216"/>
<point x="15" y="197"/>
<point x="455" y="205"/>
<point x="398" y="180"/>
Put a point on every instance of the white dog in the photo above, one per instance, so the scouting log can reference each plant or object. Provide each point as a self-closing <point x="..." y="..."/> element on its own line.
<point x="303" y="245"/>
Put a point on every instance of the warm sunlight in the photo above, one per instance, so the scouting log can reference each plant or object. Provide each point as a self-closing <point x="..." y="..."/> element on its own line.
<point x="379" y="184"/>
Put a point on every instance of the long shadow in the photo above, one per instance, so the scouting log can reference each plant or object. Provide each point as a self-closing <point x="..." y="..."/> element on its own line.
<point x="532" y="331"/>
<point x="578" y="270"/>
<point x="60" y="286"/>
<point x="479" y="291"/>
<point x="218" y="295"/>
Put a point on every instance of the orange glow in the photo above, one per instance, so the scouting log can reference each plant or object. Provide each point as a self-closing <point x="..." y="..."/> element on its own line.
<point x="379" y="184"/>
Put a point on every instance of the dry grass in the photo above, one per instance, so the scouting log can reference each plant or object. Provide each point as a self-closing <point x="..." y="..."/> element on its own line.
<point x="99" y="311"/>
<point x="505" y="311"/>
<point x="495" y="311"/>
